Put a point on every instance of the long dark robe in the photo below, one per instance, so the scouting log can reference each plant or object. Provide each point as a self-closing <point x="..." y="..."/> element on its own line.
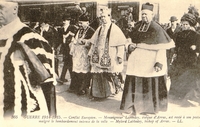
<point x="139" y="93"/>
<point x="146" y="94"/>
<point x="65" y="50"/>
<point x="185" y="70"/>
<point x="103" y="85"/>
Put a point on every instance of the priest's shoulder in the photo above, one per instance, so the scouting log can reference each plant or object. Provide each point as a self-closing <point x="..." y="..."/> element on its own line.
<point x="115" y="28"/>
<point x="113" y="24"/>
<point x="137" y="24"/>
<point x="156" y="25"/>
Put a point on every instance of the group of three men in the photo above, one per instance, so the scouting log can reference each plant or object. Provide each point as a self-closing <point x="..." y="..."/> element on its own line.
<point x="26" y="63"/>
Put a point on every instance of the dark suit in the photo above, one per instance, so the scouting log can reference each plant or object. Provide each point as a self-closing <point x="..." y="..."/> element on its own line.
<point x="81" y="81"/>
<point x="173" y="34"/>
<point x="65" y="50"/>
<point x="170" y="52"/>
<point x="170" y="32"/>
<point x="52" y="37"/>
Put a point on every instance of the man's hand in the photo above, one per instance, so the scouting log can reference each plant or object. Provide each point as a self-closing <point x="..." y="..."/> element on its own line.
<point x="158" y="66"/>
<point x="193" y="47"/>
<point x="174" y="56"/>
<point x="131" y="47"/>
<point x="119" y="59"/>
<point x="157" y="69"/>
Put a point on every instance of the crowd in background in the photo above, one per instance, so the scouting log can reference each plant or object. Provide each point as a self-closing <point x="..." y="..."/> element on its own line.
<point x="95" y="59"/>
<point x="174" y="29"/>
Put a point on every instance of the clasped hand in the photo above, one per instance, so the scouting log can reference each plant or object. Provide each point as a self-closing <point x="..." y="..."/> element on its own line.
<point x="157" y="69"/>
<point x="131" y="47"/>
<point x="158" y="66"/>
<point x="119" y="59"/>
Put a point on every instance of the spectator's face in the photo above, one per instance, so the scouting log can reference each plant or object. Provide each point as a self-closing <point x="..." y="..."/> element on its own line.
<point x="147" y="16"/>
<point x="173" y="23"/>
<point x="185" y="25"/>
<point x="83" y="24"/>
<point x="42" y="25"/>
<point x="66" y="22"/>
<point x="7" y="10"/>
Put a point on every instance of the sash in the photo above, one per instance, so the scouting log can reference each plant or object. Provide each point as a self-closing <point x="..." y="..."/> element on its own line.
<point x="105" y="60"/>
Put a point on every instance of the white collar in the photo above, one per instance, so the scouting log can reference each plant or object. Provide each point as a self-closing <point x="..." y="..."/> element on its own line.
<point x="106" y="25"/>
<point x="47" y="27"/>
<point x="10" y="29"/>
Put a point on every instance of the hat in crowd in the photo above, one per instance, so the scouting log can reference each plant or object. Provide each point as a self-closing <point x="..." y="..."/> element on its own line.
<point x="147" y="6"/>
<point x="173" y="18"/>
<point x="193" y="10"/>
<point x="190" y="18"/>
<point x="66" y="17"/>
<point x="46" y="21"/>
<point x="83" y="18"/>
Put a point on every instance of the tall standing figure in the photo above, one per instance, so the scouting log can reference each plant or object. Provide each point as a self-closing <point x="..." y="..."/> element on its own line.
<point x="184" y="71"/>
<point x="66" y="35"/>
<point x="79" y="51"/>
<point x="26" y="70"/>
<point x="107" y="55"/>
<point x="145" y="88"/>
<point x="172" y="32"/>
<point x="50" y="34"/>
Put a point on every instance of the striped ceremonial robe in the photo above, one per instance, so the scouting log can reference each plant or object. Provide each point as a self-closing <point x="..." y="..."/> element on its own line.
<point x="25" y="64"/>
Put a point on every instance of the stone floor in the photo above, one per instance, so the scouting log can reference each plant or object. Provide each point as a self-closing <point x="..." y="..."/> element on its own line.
<point x="70" y="104"/>
<point x="106" y="113"/>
